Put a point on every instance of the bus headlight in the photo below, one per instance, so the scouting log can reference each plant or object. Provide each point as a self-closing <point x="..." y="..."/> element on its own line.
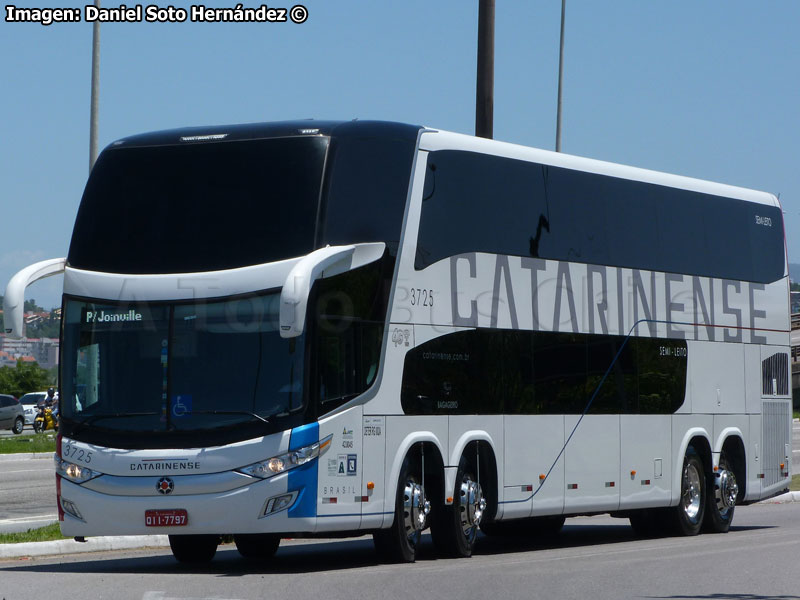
<point x="285" y="462"/>
<point x="73" y="472"/>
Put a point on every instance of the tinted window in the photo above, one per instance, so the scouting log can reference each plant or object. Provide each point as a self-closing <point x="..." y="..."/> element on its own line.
<point x="529" y="372"/>
<point x="206" y="372"/>
<point x="347" y="314"/>
<point x="199" y="207"/>
<point x="32" y="398"/>
<point x="482" y="203"/>
<point x="366" y="193"/>
<point x="469" y="200"/>
<point x="662" y="375"/>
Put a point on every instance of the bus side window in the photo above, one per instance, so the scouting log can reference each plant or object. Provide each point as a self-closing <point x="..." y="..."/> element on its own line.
<point x="347" y="335"/>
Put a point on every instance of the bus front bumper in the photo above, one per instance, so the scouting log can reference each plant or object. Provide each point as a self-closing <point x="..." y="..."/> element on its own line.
<point x="263" y="506"/>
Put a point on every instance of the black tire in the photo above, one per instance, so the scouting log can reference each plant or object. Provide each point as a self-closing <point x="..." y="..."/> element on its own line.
<point x="721" y="498"/>
<point x="19" y="425"/>
<point x="257" y="545"/>
<point x="37" y="426"/>
<point x="193" y="549"/>
<point x="454" y="528"/>
<point x="399" y="542"/>
<point x="687" y="517"/>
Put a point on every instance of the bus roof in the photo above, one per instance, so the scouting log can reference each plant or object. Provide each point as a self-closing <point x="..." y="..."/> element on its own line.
<point x="433" y="140"/>
<point x="249" y="131"/>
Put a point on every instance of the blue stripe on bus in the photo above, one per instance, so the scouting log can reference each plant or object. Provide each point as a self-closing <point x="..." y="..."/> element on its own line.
<point x="304" y="479"/>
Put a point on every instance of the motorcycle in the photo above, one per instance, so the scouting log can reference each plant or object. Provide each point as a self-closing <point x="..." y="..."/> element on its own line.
<point x="45" y="420"/>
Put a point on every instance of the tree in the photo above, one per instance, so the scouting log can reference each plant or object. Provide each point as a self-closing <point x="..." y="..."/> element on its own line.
<point x="31" y="306"/>
<point x="27" y="377"/>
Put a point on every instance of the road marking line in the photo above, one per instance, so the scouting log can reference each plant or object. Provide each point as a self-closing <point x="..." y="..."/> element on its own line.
<point x="25" y="471"/>
<point x="25" y="519"/>
<point x="161" y="596"/>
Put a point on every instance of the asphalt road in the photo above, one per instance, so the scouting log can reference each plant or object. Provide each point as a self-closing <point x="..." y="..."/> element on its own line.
<point x="27" y="430"/>
<point x="27" y="494"/>
<point x="594" y="558"/>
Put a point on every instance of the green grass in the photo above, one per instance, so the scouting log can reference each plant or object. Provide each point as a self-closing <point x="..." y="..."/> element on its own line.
<point x="43" y="442"/>
<point x="794" y="486"/>
<point x="41" y="534"/>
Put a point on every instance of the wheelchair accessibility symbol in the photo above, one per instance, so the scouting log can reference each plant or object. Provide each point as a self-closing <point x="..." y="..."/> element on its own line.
<point x="181" y="406"/>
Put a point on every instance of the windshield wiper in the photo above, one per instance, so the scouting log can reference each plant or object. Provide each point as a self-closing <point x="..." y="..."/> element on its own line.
<point x="89" y="420"/>
<point x="230" y="412"/>
<point x="343" y="398"/>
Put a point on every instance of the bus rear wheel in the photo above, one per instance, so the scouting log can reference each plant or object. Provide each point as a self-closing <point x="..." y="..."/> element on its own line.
<point x="257" y="545"/>
<point x="687" y="517"/>
<point x="193" y="548"/>
<point x="722" y="493"/>
<point x="455" y="527"/>
<point x="399" y="543"/>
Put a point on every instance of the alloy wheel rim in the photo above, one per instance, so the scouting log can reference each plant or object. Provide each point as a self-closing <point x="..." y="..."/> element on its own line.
<point x="726" y="489"/>
<point x="416" y="508"/>
<point x="472" y="505"/>
<point x="691" y="491"/>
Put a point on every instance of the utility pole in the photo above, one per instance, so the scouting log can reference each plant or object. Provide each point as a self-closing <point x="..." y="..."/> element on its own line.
<point x="93" y="118"/>
<point x="560" y="78"/>
<point x="484" y="90"/>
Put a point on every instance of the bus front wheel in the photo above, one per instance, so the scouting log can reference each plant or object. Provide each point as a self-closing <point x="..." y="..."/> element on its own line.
<point x="193" y="548"/>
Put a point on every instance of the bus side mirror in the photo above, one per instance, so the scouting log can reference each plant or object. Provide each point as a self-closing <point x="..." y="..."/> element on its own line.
<point x="14" y="299"/>
<point x="325" y="262"/>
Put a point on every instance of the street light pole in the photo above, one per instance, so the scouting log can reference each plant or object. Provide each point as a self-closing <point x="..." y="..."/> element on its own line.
<point x="93" y="118"/>
<point x="484" y="90"/>
<point x="560" y="78"/>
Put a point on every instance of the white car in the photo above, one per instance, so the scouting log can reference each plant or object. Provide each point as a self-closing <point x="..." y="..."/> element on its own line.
<point x="29" y="402"/>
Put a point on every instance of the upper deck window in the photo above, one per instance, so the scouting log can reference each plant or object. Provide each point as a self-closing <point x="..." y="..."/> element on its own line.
<point x="482" y="203"/>
<point x="199" y="206"/>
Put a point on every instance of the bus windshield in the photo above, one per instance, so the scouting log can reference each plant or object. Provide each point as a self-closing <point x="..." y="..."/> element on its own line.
<point x="199" y="207"/>
<point x="180" y="367"/>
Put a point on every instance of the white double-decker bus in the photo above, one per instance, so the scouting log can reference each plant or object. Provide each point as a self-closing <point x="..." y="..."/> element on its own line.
<point x="317" y="328"/>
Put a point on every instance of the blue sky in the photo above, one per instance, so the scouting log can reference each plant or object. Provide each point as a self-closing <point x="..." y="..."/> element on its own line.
<point x="703" y="88"/>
